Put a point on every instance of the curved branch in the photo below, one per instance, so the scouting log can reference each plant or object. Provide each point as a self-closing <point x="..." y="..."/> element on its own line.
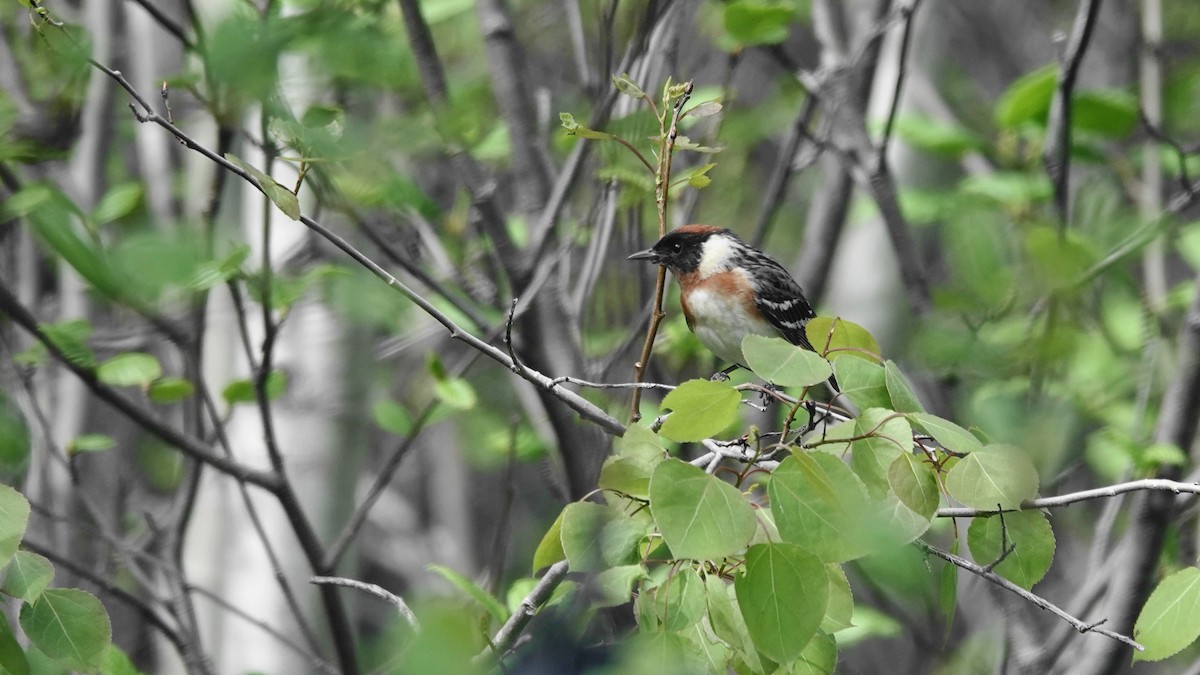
<point x="1156" y="484"/>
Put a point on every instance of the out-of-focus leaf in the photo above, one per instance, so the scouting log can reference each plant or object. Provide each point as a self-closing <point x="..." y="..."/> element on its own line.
<point x="130" y="369"/>
<point x="1027" y="99"/>
<point x="279" y="195"/>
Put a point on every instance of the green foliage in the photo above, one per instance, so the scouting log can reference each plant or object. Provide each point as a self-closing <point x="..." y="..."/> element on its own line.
<point x="67" y="625"/>
<point x="780" y="362"/>
<point x="699" y="516"/>
<point x="993" y="477"/>
<point x="131" y="369"/>
<point x="1030" y="538"/>
<point x="699" y="409"/>
<point x="788" y="589"/>
<point x="1170" y="620"/>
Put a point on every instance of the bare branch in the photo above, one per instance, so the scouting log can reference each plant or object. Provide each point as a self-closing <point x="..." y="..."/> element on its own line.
<point x="378" y="591"/>
<point x="1148" y="484"/>
<point x="511" y="630"/>
<point x="1057" y="153"/>
<point x="1038" y="601"/>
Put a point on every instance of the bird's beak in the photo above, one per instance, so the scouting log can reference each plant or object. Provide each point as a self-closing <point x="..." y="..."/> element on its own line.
<point x="648" y="254"/>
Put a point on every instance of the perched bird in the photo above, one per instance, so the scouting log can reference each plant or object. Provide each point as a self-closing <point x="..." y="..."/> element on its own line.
<point x="730" y="289"/>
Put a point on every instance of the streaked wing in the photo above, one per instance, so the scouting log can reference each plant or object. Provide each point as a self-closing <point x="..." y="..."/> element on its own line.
<point x="782" y="302"/>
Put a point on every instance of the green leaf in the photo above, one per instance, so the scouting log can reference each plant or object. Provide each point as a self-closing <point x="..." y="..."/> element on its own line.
<point x="1111" y="113"/>
<point x="726" y="620"/>
<point x="948" y="590"/>
<point x="914" y="484"/>
<point x="996" y="476"/>
<point x="700" y="408"/>
<point x="70" y="337"/>
<point x="14" y="517"/>
<point x="91" y="443"/>
<point x="834" y="337"/>
<point x="903" y="398"/>
<point x="885" y="436"/>
<point x="627" y="87"/>
<point x="818" y="658"/>
<point x="456" y="393"/>
<point x="576" y="129"/>
<point x="780" y="362"/>
<point x="550" y="548"/>
<point x="1170" y="620"/>
<point x="699" y="516"/>
<point x="280" y="196"/>
<point x="130" y="369"/>
<point x="391" y="417"/>
<point x="1031" y="537"/>
<point x="783" y="596"/>
<point x="1027" y="99"/>
<point x="615" y="584"/>
<point x="68" y="625"/>
<point x="596" y="537"/>
<point x="840" y="609"/>
<point x="242" y="391"/>
<point x="116" y="662"/>
<point x="863" y="382"/>
<point x="680" y="601"/>
<point x="950" y="435"/>
<point x="628" y="470"/>
<point x="756" y="22"/>
<point x="170" y="389"/>
<point x="820" y="504"/>
<point x="12" y="656"/>
<point x="486" y="600"/>
<point x="54" y="218"/>
<point x="937" y="137"/>
<point x="213" y="273"/>
<point x="27" y="576"/>
<point x="15" y="442"/>
<point x="117" y="203"/>
<point x="703" y="109"/>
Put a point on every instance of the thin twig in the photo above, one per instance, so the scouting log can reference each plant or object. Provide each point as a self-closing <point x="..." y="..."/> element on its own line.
<point x="378" y="591"/>
<point x="1152" y="484"/>
<point x="1057" y="153"/>
<point x="511" y="630"/>
<point x="1037" y="600"/>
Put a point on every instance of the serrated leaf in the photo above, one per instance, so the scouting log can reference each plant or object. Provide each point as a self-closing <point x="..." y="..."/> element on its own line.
<point x="950" y="435"/>
<point x="170" y="389"/>
<point x="1031" y="537"/>
<point x="783" y="595"/>
<point x="550" y="549"/>
<point x="391" y="417"/>
<point x="117" y="203"/>
<point x="130" y="369"/>
<point x="68" y="625"/>
<point x="699" y="516"/>
<point x="27" y="575"/>
<point x="780" y="362"/>
<point x="995" y="476"/>
<point x="700" y="408"/>
<point x="14" y="517"/>
<point x="1170" y="619"/>
<point x="903" y="398"/>
<point x="839" y="612"/>
<point x="282" y="197"/>
<point x="486" y="600"/>
<point x="91" y="443"/>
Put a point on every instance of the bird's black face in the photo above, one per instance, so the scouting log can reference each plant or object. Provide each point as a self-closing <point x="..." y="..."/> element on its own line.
<point x="680" y="251"/>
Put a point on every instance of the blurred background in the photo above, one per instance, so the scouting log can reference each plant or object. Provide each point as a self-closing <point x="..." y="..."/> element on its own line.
<point x="427" y="135"/>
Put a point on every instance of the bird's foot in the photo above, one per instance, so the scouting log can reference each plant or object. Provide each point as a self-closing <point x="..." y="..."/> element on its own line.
<point x="723" y="375"/>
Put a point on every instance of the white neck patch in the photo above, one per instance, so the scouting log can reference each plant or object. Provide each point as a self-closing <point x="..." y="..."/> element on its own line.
<point x="717" y="255"/>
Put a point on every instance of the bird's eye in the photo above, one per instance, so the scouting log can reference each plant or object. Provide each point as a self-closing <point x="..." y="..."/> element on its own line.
<point x="677" y="247"/>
